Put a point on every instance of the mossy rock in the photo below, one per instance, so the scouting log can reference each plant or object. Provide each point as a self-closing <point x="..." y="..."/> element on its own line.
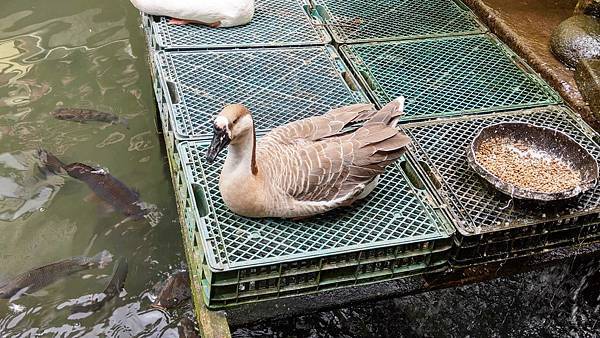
<point x="576" y="39"/>
<point x="587" y="76"/>
<point x="589" y="7"/>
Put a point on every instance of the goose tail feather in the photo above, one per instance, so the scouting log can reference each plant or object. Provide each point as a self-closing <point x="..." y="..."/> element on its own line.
<point x="390" y="113"/>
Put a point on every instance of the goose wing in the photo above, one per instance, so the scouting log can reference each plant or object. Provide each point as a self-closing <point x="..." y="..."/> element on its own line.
<point x="316" y="128"/>
<point x="327" y="164"/>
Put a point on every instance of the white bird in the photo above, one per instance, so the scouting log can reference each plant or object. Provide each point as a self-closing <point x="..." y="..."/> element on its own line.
<point x="306" y="167"/>
<point x="213" y="13"/>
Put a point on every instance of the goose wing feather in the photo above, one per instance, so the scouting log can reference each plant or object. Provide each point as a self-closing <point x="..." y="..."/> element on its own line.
<point x="317" y="128"/>
<point x="313" y="160"/>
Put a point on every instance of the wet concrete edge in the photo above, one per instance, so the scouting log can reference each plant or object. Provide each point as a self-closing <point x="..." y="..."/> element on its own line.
<point x="499" y="27"/>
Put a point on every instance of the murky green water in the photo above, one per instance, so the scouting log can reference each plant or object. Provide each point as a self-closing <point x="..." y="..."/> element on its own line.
<point x="79" y="53"/>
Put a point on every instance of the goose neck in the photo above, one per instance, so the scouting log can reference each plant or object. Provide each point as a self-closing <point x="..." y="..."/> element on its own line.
<point x="241" y="158"/>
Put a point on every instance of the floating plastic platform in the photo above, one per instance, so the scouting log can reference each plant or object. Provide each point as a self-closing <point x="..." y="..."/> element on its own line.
<point x="237" y="260"/>
<point x="278" y="85"/>
<point x="276" y="23"/>
<point x="353" y="21"/>
<point x="398" y="231"/>
<point x="282" y="68"/>
<point x="491" y="225"/>
<point x="448" y="76"/>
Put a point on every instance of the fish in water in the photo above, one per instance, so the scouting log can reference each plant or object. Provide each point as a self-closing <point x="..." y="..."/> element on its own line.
<point x="113" y="288"/>
<point x="109" y="189"/>
<point x="187" y="328"/>
<point x="174" y="291"/>
<point x="85" y="115"/>
<point x="41" y="277"/>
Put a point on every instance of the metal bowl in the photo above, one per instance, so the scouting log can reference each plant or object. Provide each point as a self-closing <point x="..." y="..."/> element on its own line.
<point x="553" y="142"/>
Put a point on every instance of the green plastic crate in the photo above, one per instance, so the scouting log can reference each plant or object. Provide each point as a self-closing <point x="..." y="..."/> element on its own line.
<point x="278" y="85"/>
<point x="351" y="21"/>
<point x="399" y="231"/>
<point x="276" y="23"/>
<point x="448" y="76"/>
<point x="490" y="225"/>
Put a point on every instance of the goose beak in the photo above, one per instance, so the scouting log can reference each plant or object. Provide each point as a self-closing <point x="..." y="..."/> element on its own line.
<point x="219" y="141"/>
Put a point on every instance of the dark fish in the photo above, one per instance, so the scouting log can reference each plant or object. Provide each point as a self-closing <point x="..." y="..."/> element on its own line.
<point x="109" y="189"/>
<point x="174" y="291"/>
<point x="113" y="288"/>
<point x="50" y="162"/>
<point x="41" y="277"/>
<point x="187" y="328"/>
<point x="85" y="115"/>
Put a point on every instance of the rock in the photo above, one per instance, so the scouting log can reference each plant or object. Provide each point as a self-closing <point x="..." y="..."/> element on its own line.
<point x="575" y="39"/>
<point x="587" y="76"/>
<point x="589" y="7"/>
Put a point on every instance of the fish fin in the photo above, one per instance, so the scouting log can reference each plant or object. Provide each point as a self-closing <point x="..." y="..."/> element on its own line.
<point x="103" y="258"/>
<point x="19" y="293"/>
<point x="124" y="121"/>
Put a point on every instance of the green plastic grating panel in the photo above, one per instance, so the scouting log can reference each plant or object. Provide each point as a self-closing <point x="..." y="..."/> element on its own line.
<point x="277" y="85"/>
<point x="394" y="214"/>
<point x="275" y="23"/>
<point x="285" y="279"/>
<point x="367" y="20"/>
<point x="542" y="240"/>
<point x="448" y="76"/>
<point x="443" y="143"/>
<point x="219" y="289"/>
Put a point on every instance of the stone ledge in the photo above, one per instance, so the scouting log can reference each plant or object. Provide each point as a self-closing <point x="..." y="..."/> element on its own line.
<point x="557" y="75"/>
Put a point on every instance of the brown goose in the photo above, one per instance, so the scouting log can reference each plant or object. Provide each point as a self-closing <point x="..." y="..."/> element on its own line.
<point x="306" y="167"/>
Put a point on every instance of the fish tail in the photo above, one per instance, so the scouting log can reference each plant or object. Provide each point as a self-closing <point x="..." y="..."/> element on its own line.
<point x="50" y="162"/>
<point x="102" y="259"/>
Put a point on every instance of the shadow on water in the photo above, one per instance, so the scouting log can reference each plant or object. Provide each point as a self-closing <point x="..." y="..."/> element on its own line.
<point x="91" y="54"/>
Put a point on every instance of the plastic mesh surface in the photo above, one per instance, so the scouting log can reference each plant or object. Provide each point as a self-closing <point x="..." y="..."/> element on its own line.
<point x="444" y="145"/>
<point x="277" y="85"/>
<point x="368" y="20"/>
<point x="392" y="214"/>
<point x="275" y="23"/>
<point x="447" y="76"/>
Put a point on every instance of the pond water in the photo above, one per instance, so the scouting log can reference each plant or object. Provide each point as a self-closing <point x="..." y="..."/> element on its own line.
<point x="91" y="54"/>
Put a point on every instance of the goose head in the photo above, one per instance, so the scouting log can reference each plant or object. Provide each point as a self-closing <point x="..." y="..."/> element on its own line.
<point x="233" y="126"/>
